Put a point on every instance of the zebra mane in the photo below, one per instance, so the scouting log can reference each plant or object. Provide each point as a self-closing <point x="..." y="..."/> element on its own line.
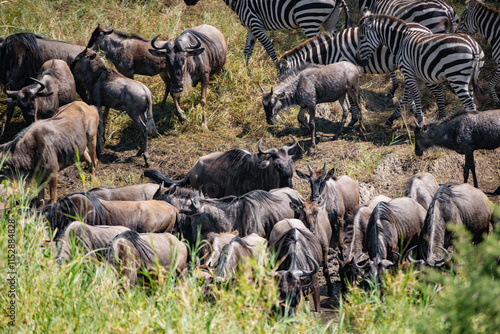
<point x="496" y="11"/>
<point x="389" y="18"/>
<point x="323" y="37"/>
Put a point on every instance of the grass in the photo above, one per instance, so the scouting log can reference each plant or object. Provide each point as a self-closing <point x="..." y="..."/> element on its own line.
<point x="86" y="296"/>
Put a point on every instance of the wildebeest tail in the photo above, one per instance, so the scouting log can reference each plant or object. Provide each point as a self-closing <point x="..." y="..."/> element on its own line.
<point x="99" y="139"/>
<point x="157" y="177"/>
<point x="148" y="115"/>
<point x="144" y="249"/>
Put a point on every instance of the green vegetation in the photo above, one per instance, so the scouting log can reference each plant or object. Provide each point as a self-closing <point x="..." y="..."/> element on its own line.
<point x="85" y="296"/>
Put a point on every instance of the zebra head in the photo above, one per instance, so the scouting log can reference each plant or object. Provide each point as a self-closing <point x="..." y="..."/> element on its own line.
<point x="369" y="40"/>
<point x="467" y="23"/>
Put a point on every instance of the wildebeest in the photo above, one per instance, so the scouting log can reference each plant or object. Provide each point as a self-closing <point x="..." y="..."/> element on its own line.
<point x="53" y="88"/>
<point x="194" y="56"/>
<point x="216" y="242"/>
<point x="298" y="253"/>
<point x="237" y="172"/>
<point x="341" y="195"/>
<point x="315" y="218"/>
<point x="255" y="212"/>
<point x="421" y="187"/>
<point x="130" y="252"/>
<point x="236" y="251"/>
<point x="141" y="216"/>
<point x="313" y="84"/>
<point x="98" y="85"/>
<point x="393" y="227"/>
<point x="41" y="150"/>
<point x="92" y="239"/>
<point x="22" y="56"/>
<point x="131" y="192"/>
<point x="459" y="204"/>
<point x="463" y="132"/>
<point x="129" y="53"/>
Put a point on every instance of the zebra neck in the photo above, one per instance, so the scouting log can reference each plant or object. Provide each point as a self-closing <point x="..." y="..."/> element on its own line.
<point x="392" y="35"/>
<point x="491" y="34"/>
<point x="231" y="4"/>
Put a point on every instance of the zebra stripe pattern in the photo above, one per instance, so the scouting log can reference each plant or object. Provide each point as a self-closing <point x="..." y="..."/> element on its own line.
<point x="258" y="16"/>
<point x="436" y="15"/>
<point x="430" y="58"/>
<point x="477" y="17"/>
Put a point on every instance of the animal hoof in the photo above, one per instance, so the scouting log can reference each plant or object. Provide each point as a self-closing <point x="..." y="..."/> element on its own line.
<point x="389" y="122"/>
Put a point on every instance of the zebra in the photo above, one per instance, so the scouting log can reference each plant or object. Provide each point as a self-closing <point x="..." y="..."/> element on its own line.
<point x="421" y="57"/>
<point x="436" y="15"/>
<point x="479" y="17"/>
<point x="328" y="48"/>
<point x="258" y="16"/>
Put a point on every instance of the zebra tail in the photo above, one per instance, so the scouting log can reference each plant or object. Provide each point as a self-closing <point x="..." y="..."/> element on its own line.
<point x="480" y="96"/>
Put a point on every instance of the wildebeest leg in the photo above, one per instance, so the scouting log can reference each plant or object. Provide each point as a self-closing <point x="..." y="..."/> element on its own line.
<point x="301" y="119"/>
<point x="144" y="148"/>
<point x="438" y="94"/>
<point x="104" y="122"/>
<point x="52" y="188"/>
<point x="353" y="95"/>
<point x="345" y="112"/>
<point x="469" y="164"/>
<point x="395" y="85"/>
<point x="166" y="80"/>
<point x="204" y="87"/>
<point x="315" y="288"/>
<point x="312" y="124"/>
<point x="7" y="116"/>
<point x="180" y="112"/>
<point x="326" y="271"/>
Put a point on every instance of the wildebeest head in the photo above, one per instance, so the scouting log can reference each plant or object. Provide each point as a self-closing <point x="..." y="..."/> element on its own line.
<point x="421" y="141"/>
<point x="309" y="212"/>
<point x="25" y="98"/>
<point x="282" y="162"/>
<point x="272" y="104"/>
<point x="317" y="178"/>
<point x="85" y="61"/>
<point x="187" y="44"/>
<point x="97" y="36"/>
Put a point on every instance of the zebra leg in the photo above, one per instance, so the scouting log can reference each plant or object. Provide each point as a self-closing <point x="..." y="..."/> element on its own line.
<point x="397" y="113"/>
<point x="249" y="46"/>
<point x="354" y="110"/>
<point x="492" y="85"/>
<point x="437" y="91"/>
<point x="264" y="39"/>
<point x="464" y="94"/>
<point x="415" y="94"/>
<point x="395" y="85"/>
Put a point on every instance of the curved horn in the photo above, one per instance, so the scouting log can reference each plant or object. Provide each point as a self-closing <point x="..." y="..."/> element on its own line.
<point x="53" y="64"/>
<point x="412" y="260"/>
<point x="198" y="43"/>
<point x="262" y="89"/>
<point x="303" y="273"/>
<point x="295" y="143"/>
<point x="153" y="41"/>
<point x="272" y="151"/>
<point x="310" y="169"/>
<point x="40" y="83"/>
<point x="399" y="255"/>
<point x="9" y="92"/>
<point x="445" y="258"/>
<point x="355" y="262"/>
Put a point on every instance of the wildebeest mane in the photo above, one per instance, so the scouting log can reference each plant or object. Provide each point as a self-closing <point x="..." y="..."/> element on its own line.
<point x="222" y="262"/>
<point x="145" y="250"/>
<point x="21" y="48"/>
<point x="450" y="117"/>
<point x="377" y="234"/>
<point x="204" y="38"/>
<point x="293" y="248"/>
<point x="125" y="35"/>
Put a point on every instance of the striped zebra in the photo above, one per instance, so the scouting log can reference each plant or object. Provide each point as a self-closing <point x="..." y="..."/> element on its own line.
<point x="436" y="15"/>
<point x="479" y="17"/>
<point x="421" y="57"/>
<point x="258" y="16"/>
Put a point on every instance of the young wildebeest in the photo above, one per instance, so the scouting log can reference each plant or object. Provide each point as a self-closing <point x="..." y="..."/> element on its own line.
<point x="341" y="195"/>
<point x="393" y="227"/>
<point x="89" y="238"/>
<point x="463" y="132"/>
<point x="53" y="88"/>
<point x="50" y="145"/>
<point x="141" y="216"/>
<point x="313" y="84"/>
<point x="130" y="54"/>
<point x="298" y="253"/>
<point x="98" y="85"/>
<point x="131" y="251"/>
<point x="236" y="251"/>
<point x="315" y="218"/>
<point x="237" y="172"/>
<point x="194" y="56"/>
<point x="460" y="204"/>
<point x="131" y="192"/>
<point x="422" y="187"/>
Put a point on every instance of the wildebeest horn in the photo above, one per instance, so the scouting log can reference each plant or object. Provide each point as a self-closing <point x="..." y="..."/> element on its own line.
<point x="355" y="261"/>
<point x="53" y="64"/>
<point x="399" y="255"/>
<point x="323" y="170"/>
<point x="262" y="89"/>
<point x="198" y="43"/>
<point x="310" y="169"/>
<point x="412" y="260"/>
<point x="272" y="151"/>
<point x="40" y="83"/>
<point x="154" y="45"/>
<point x="295" y="143"/>
<point x="9" y="92"/>
<point x="302" y="273"/>
<point x="446" y="254"/>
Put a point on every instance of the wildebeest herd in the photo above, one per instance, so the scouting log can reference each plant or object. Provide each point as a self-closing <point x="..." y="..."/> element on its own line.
<point x="241" y="204"/>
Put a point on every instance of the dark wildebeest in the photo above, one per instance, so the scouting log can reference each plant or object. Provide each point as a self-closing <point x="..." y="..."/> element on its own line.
<point x="315" y="218"/>
<point x="23" y="54"/>
<point x="94" y="240"/>
<point x="236" y="251"/>
<point x="459" y="204"/>
<point x="298" y="253"/>
<point x="237" y="172"/>
<point x="463" y="132"/>
<point x="194" y="56"/>
<point x="422" y="187"/>
<point x="393" y="227"/>
<point x="131" y="192"/>
<point x="313" y="84"/>
<point x="341" y="195"/>
<point x="53" y="88"/>
<point x="50" y="145"/>
<point x="141" y="216"/>
<point x="254" y="212"/>
<point x="129" y="53"/>
<point x="101" y="86"/>
<point x="129" y="252"/>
